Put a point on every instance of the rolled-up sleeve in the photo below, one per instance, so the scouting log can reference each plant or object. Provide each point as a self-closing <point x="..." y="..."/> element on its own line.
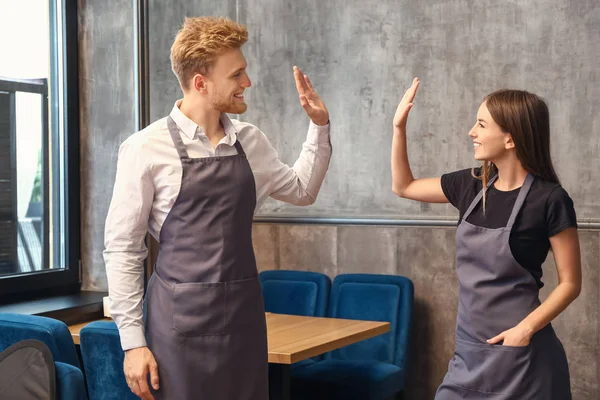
<point x="125" y="249"/>
<point x="300" y="184"/>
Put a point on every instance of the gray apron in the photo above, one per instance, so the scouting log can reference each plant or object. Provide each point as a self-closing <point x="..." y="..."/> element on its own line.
<point x="204" y="312"/>
<point x="495" y="294"/>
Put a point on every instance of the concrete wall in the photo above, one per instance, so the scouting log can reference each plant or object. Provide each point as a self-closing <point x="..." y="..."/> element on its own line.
<point x="106" y="82"/>
<point x="361" y="56"/>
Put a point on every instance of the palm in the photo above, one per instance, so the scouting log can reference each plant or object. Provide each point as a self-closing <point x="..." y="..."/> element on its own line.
<point x="405" y="105"/>
<point x="310" y="100"/>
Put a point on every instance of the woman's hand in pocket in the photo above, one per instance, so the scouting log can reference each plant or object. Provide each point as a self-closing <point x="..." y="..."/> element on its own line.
<point x="518" y="336"/>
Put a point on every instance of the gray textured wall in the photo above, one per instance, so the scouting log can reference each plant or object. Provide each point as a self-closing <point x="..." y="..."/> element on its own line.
<point x="360" y="57"/>
<point x="106" y="82"/>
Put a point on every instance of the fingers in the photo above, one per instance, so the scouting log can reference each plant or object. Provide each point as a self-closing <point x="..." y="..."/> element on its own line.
<point x="301" y="85"/>
<point x="415" y="86"/>
<point x="304" y="102"/>
<point x="308" y="83"/>
<point x="135" y="388"/>
<point x="154" y="375"/>
<point x="496" y="339"/>
<point x="139" y="387"/>
<point x="144" y="389"/>
<point x="409" y="95"/>
<point x="139" y="364"/>
<point x="130" y="380"/>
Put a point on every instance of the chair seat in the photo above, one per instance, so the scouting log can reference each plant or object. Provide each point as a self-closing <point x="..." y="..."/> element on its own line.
<point x="69" y="382"/>
<point x="340" y="379"/>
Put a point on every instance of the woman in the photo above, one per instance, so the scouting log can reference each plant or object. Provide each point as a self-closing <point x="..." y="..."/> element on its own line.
<point x="512" y="211"/>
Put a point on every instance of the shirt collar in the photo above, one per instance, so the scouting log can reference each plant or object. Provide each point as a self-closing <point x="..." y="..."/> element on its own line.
<point x="190" y="128"/>
<point x="186" y="125"/>
<point x="230" y="132"/>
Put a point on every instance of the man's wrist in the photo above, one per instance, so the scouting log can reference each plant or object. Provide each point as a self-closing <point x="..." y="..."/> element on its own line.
<point x="134" y="348"/>
<point x="321" y="123"/>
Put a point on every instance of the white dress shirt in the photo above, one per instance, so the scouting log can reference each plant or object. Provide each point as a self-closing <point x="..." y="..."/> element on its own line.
<point x="148" y="181"/>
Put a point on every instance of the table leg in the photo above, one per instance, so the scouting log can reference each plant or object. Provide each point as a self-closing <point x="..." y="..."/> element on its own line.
<point x="279" y="382"/>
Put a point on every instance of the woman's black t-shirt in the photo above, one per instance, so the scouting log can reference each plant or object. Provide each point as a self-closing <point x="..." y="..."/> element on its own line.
<point x="547" y="211"/>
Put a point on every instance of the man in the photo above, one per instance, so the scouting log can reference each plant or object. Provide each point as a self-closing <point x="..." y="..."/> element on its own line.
<point x="194" y="180"/>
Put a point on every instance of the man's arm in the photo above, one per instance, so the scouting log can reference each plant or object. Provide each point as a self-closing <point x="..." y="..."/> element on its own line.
<point x="300" y="184"/>
<point x="125" y="250"/>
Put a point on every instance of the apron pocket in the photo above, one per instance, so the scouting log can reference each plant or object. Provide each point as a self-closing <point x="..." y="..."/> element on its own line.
<point x="491" y="369"/>
<point x="245" y="306"/>
<point x="199" y="309"/>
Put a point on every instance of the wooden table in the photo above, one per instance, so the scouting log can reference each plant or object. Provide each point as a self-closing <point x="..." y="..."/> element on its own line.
<point x="293" y="338"/>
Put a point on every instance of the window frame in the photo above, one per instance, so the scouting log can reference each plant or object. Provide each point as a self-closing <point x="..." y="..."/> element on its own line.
<point x="60" y="279"/>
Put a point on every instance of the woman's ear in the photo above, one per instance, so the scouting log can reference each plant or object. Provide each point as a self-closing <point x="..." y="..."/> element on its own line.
<point x="508" y="142"/>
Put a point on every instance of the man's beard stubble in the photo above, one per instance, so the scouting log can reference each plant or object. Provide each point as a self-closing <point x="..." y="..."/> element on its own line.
<point x="230" y="107"/>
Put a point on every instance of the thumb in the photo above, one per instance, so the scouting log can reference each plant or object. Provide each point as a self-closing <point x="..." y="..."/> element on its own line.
<point x="496" y="339"/>
<point x="304" y="102"/>
<point x="407" y="109"/>
<point x="154" y="375"/>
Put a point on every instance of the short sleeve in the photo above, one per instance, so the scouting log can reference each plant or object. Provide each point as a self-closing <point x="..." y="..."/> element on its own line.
<point x="454" y="185"/>
<point x="560" y="212"/>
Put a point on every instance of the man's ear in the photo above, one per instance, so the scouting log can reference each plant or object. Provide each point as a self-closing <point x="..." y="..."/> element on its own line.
<point x="508" y="142"/>
<point x="199" y="83"/>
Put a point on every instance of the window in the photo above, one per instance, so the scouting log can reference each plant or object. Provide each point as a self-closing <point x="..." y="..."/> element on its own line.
<point x="39" y="148"/>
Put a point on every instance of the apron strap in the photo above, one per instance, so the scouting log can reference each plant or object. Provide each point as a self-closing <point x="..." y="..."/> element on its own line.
<point x="520" y="200"/>
<point x="478" y="198"/>
<point x="239" y="148"/>
<point x="176" y="136"/>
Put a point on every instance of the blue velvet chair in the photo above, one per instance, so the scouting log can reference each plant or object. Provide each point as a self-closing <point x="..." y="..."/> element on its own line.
<point x="295" y="292"/>
<point x="374" y="369"/>
<point x="103" y="361"/>
<point x="55" y="334"/>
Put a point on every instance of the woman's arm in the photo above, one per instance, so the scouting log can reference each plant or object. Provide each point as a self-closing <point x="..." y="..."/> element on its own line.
<point x="403" y="183"/>
<point x="567" y="257"/>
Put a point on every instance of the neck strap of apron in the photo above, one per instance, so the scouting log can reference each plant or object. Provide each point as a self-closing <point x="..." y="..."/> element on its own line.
<point x="520" y="200"/>
<point x="478" y="198"/>
<point x="518" y="203"/>
<point x="176" y="136"/>
<point x="239" y="148"/>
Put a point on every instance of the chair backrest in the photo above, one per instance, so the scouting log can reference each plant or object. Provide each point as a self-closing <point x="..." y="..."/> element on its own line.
<point x="103" y="362"/>
<point x="27" y="371"/>
<point x="295" y="292"/>
<point x="374" y="298"/>
<point x="53" y="333"/>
